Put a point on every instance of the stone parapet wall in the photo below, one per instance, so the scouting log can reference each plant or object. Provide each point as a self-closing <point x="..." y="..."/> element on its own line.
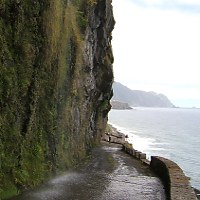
<point x="115" y="137"/>
<point x="177" y="185"/>
<point x="128" y="148"/>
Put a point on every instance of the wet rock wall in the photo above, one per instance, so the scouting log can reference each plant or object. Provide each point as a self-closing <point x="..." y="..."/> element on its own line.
<point x="55" y="86"/>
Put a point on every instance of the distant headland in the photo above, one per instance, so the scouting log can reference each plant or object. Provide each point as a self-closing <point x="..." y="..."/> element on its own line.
<point x="138" y="98"/>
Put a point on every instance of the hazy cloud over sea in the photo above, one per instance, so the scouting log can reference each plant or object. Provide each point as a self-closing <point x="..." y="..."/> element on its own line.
<point x="156" y="46"/>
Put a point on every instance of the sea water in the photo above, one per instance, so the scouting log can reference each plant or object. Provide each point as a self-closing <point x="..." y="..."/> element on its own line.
<point x="173" y="133"/>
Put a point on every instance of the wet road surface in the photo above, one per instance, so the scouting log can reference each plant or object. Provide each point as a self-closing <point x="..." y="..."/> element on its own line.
<point x="111" y="175"/>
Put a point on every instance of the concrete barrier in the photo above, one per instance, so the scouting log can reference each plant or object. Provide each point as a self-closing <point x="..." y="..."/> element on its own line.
<point x="114" y="138"/>
<point x="142" y="156"/>
<point x="176" y="183"/>
<point x="128" y="148"/>
<point x="137" y="154"/>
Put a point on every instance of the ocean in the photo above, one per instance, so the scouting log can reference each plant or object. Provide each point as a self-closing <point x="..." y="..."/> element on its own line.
<point x="173" y="133"/>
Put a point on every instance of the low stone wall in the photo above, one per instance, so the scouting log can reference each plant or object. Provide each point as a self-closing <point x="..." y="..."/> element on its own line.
<point x="176" y="184"/>
<point x="115" y="137"/>
<point x="128" y="148"/>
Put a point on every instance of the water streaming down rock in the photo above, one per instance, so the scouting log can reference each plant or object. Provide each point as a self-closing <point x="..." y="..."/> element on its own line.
<point x="56" y="77"/>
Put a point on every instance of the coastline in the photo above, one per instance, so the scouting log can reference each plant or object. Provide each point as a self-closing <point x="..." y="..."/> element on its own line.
<point x="160" y="132"/>
<point x="156" y="163"/>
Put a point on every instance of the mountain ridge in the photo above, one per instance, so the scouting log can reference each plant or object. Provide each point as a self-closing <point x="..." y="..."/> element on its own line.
<point x="139" y="98"/>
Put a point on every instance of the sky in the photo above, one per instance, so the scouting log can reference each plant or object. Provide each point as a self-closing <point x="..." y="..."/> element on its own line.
<point x="156" y="46"/>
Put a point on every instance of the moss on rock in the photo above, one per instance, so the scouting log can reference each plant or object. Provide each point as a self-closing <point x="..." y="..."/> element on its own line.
<point x="55" y="86"/>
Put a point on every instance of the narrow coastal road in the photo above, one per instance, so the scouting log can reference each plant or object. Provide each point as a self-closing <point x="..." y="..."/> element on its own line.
<point x="111" y="175"/>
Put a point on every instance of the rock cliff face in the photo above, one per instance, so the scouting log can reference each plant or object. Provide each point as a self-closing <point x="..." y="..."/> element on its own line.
<point x="55" y="86"/>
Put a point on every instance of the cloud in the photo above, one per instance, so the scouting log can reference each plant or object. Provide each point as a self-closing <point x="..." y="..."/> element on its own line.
<point x="167" y="2"/>
<point x="160" y="44"/>
<point x="192" y="6"/>
<point x="156" y="49"/>
<point x="188" y="2"/>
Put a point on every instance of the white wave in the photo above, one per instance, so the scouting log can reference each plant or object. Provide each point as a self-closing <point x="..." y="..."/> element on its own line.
<point x="139" y="143"/>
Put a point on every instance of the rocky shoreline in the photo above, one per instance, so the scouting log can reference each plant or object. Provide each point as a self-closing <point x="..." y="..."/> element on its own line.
<point x="117" y="105"/>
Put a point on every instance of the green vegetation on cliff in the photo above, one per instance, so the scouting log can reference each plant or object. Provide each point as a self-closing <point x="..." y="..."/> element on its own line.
<point x="55" y="86"/>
